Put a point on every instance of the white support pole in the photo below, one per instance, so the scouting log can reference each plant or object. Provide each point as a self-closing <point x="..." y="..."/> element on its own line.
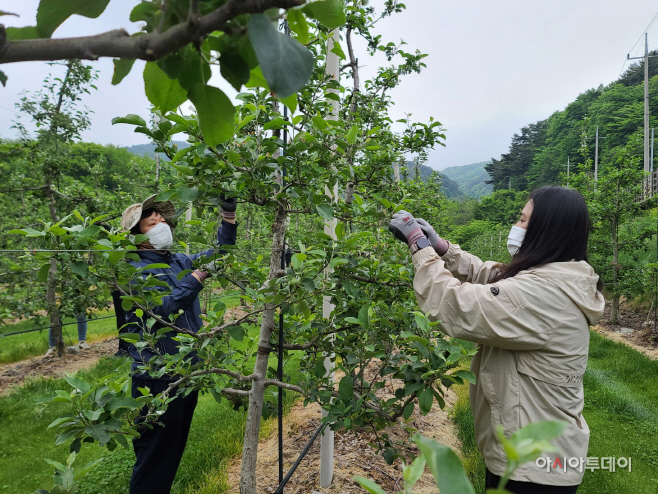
<point x="596" y="156"/>
<point x="188" y="217"/>
<point x="646" y="102"/>
<point x="396" y="171"/>
<point x="327" y="440"/>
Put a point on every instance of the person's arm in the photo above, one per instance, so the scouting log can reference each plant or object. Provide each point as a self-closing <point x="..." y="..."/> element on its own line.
<point x="486" y="314"/>
<point x="464" y="266"/>
<point x="469" y="268"/>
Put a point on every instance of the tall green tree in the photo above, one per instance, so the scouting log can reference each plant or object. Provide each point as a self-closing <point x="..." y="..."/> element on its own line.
<point x="612" y="200"/>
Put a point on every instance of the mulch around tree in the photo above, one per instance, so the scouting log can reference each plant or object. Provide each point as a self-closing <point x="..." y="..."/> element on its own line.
<point x="644" y="337"/>
<point x="16" y="373"/>
<point x="353" y="451"/>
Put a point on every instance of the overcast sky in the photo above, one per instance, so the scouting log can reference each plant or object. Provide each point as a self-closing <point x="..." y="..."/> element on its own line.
<point x="492" y="68"/>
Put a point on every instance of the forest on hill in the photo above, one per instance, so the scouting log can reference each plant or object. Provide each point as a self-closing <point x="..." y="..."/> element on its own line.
<point x="538" y="154"/>
<point x="471" y="179"/>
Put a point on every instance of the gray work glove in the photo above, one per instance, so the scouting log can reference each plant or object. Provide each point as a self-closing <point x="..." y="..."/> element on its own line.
<point x="406" y="224"/>
<point x="228" y="207"/>
<point x="440" y="245"/>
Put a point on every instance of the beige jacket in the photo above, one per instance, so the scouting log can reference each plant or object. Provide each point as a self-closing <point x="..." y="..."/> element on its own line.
<point x="533" y="332"/>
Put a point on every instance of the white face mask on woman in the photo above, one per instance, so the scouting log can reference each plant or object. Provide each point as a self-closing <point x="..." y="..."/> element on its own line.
<point x="515" y="239"/>
<point x="160" y="236"/>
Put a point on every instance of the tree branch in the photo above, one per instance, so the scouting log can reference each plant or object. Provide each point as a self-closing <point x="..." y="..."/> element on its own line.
<point x="119" y="44"/>
<point x="370" y="280"/>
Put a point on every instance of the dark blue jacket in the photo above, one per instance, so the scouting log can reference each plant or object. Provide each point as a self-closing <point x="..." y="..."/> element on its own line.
<point x="184" y="295"/>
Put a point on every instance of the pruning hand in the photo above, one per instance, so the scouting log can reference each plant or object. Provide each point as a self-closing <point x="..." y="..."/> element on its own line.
<point x="407" y="226"/>
<point x="228" y="205"/>
<point x="440" y="245"/>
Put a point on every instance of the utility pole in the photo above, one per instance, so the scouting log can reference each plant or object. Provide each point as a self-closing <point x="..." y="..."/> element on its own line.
<point x="596" y="153"/>
<point x="646" y="58"/>
<point x="596" y="156"/>
<point x="568" y="165"/>
<point x="651" y="169"/>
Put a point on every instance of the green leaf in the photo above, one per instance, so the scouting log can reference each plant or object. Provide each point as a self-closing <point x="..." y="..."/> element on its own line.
<point x="236" y="332"/>
<point x="78" y="383"/>
<point x="286" y="64"/>
<point x="369" y="485"/>
<point x="99" y="432"/>
<point x="122" y="402"/>
<point x="216" y="113"/>
<point x="216" y="394"/>
<point x="412" y="473"/>
<point x="276" y="123"/>
<point x="81" y="268"/>
<point x="51" y="13"/>
<point x="234" y="69"/>
<point x="319" y="122"/>
<point x="42" y="274"/>
<point x="326" y="211"/>
<point x="19" y="33"/>
<point x="408" y="410"/>
<point x="130" y="119"/>
<point x="298" y="25"/>
<point x="346" y="388"/>
<point x="122" y="68"/>
<point x="319" y="369"/>
<point x="350" y="137"/>
<point x="290" y="102"/>
<point x="3" y="78"/>
<point x="256" y="79"/>
<point x="167" y="94"/>
<point x="187" y="194"/>
<point x="445" y="466"/>
<point x="425" y="401"/>
<point x="338" y="50"/>
<point x="467" y="375"/>
<point x="363" y="315"/>
<point x="330" y="13"/>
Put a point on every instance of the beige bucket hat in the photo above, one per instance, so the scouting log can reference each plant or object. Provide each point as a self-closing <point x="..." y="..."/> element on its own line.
<point x="133" y="214"/>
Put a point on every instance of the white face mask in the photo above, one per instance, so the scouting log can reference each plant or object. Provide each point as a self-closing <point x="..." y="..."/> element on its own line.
<point x="515" y="239"/>
<point x="160" y="236"/>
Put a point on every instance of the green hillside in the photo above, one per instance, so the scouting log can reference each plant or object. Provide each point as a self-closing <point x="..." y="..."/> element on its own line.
<point x="449" y="186"/>
<point x="149" y="149"/>
<point x="538" y="154"/>
<point x="470" y="178"/>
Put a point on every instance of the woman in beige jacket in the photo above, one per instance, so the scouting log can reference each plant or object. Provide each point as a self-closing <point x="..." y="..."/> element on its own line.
<point x="530" y="319"/>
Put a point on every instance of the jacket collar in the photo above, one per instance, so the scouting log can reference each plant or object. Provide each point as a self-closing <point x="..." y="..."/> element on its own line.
<point x="153" y="256"/>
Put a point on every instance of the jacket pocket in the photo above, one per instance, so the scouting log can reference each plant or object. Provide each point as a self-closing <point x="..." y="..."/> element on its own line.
<point x="502" y="393"/>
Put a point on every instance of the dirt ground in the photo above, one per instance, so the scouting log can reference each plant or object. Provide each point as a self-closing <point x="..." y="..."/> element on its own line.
<point x="17" y="372"/>
<point x="352" y="451"/>
<point x="643" y="339"/>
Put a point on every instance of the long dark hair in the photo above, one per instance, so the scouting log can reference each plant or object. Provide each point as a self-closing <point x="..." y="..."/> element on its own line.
<point x="557" y="231"/>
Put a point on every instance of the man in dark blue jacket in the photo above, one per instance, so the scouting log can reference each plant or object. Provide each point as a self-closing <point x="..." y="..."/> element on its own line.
<point x="159" y="450"/>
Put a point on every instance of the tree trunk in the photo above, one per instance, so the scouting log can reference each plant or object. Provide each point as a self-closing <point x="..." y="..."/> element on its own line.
<point x="614" y="311"/>
<point x="51" y="290"/>
<point x="254" y="413"/>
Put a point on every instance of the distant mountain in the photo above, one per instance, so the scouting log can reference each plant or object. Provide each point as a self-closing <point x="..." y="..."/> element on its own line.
<point x="470" y="179"/>
<point x="149" y="149"/>
<point x="449" y="186"/>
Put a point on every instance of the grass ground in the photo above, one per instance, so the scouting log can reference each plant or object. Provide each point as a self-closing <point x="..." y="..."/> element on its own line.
<point x="621" y="409"/>
<point x="215" y="438"/>
<point x="21" y="346"/>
